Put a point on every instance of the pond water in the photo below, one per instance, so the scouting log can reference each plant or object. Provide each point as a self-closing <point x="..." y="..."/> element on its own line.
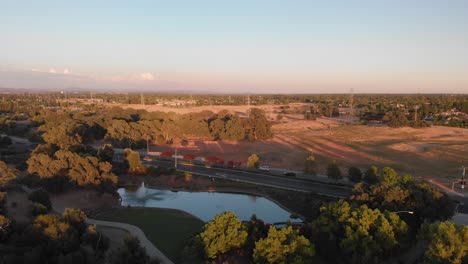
<point x="205" y="205"/>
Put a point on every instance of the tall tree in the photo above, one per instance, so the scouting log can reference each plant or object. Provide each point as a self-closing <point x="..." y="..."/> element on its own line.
<point x="354" y="174"/>
<point x="333" y="171"/>
<point x="371" y="174"/>
<point x="258" y="125"/>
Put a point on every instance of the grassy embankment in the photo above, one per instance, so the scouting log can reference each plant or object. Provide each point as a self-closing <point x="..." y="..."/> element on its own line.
<point x="167" y="229"/>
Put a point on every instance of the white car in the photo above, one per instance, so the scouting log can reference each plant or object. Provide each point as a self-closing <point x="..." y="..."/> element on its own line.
<point x="264" y="168"/>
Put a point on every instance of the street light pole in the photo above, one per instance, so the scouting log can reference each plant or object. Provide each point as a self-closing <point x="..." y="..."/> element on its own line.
<point x="175" y="164"/>
<point x="147" y="145"/>
<point x="408" y="212"/>
<point x="463" y="178"/>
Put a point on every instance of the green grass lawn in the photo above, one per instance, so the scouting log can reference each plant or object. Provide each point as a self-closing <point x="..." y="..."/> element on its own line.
<point x="168" y="229"/>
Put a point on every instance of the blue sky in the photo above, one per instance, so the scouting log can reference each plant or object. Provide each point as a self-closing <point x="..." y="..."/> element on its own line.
<point x="236" y="46"/>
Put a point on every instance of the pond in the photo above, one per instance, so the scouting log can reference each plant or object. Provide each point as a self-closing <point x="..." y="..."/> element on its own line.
<point x="205" y="205"/>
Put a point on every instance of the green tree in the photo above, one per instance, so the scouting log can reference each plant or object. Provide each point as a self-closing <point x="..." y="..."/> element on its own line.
<point x="371" y="175"/>
<point x="106" y="153"/>
<point x="333" y="171"/>
<point x="76" y="218"/>
<point x="6" y="173"/>
<point x="283" y="246"/>
<point x="235" y="129"/>
<point x="223" y="234"/>
<point x="253" y="161"/>
<point x="65" y="134"/>
<point x="396" y="118"/>
<point x="54" y="229"/>
<point x="217" y="129"/>
<point x="428" y="203"/>
<point x="79" y="170"/>
<point x="389" y="175"/>
<point x="310" y="165"/>
<point x="447" y="243"/>
<point x="363" y="234"/>
<point x="258" y="125"/>
<point x="134" y="161"/>
<point x="354" y="174"/>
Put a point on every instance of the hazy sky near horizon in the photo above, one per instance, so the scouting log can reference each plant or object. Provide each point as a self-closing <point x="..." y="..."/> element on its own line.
<point x="264" y="46"/>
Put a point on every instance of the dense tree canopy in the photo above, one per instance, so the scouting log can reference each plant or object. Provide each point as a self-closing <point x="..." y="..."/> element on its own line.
<point x="223" y="234"/>
<point x="258" y="125"/>
<point x="396" y="118"/>
<point x="283" y="246"/>
<point x="80" y="170"/>
<point x="395" y="193"/>
<point x="447" y="243"/>
<point x="354" y="174"/>
<point x="363" y="234"/>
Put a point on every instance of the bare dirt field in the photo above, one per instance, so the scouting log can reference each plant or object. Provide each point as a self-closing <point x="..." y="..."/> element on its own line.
<point x="435" y="152"/>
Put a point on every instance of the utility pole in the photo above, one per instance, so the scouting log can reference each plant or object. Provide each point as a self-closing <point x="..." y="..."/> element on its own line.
<point x="147" y="145"/>
<point x="416" y="107"/>
<point x="175" y="156"/>
<point x="461" y="181"/>
<point x="463" y="178"/>
<point x="142" y="98"/>
<point x="351" y="102"/>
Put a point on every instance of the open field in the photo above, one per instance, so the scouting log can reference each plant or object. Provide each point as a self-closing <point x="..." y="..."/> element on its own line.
<point x="436" y="152"/>
<point x="167" y="229"/>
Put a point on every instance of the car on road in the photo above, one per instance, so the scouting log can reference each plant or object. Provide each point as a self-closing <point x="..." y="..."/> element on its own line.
<point x="289" y="173"/>
<point x="264" y="168"/>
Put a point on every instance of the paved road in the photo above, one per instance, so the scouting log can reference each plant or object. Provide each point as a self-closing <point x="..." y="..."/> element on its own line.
<point x="152" y="251"/>
<point x="261" y="179"/>
<point x="460" y="219"/>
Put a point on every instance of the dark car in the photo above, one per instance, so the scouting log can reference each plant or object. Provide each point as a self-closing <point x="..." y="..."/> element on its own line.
<point x="290" y="174"/>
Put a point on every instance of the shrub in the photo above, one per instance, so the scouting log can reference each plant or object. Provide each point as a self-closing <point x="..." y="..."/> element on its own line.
<point x="333" y="171"/>
<point x="354" y="174"/>
<point x="42" y="197"/>
<point x="38" y="209"/>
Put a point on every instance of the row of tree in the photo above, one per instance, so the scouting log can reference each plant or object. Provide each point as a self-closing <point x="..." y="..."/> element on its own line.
<point x="128" y="127"/>
<point x="227" y="239"/>
<point x="79" y="166"/>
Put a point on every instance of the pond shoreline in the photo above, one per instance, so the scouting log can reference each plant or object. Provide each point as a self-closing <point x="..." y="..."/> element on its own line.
<point x="219" y="189"/>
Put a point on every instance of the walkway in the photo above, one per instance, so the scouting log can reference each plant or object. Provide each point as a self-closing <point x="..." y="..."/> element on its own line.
<point x="152" y="251"/>
<point x="460" y="219"/>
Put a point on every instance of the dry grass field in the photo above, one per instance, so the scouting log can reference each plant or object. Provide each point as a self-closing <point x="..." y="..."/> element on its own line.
<point x="436" y="152"/>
